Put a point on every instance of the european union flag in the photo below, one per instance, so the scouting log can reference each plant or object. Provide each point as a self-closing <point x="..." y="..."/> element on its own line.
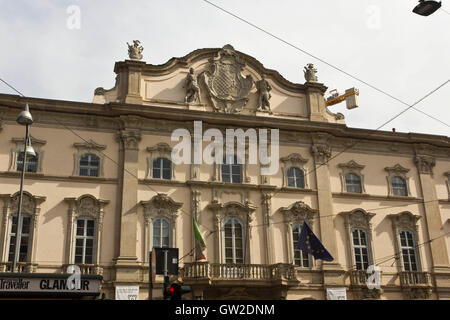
<point x="307" y="241"/>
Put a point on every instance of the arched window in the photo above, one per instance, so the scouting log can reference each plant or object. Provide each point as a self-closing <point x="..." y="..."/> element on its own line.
<point x="234" y="241"/>
<point x="231" y="170"/>
<point x="360" y="249"/>
<point x="301" y="258"/>
<point x="161" y="233"/>
<point x="24" y="238"/>
<point x="84" y="240"/>
<point x="399" y="186"/>
<point x="408" y="250"/>
<point x="353" y="183"/>
<point x="162" y="169"/>
<point x="296" y="177"/>
<point x="31" y="165"/>
<point x="89" y="165"/>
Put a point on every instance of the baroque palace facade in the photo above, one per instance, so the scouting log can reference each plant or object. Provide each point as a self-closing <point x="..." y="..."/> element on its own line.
<point x="103" y="189"/>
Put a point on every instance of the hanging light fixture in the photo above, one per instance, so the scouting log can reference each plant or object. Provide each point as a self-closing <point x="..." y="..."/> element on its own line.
<point x="425" y="7"/>
<point x="30" y="153"/>
<point x="24" y="118"/>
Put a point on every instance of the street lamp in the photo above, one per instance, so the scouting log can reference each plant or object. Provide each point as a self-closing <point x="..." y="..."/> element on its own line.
<point x="24" y="119"/>
<point x="425" y="7"/>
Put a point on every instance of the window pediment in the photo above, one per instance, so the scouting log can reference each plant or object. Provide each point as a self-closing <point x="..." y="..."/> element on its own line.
<point x="358" y="218"/>
<point x="90" y="145"/>
<point x="30" y="204"/>
<point x="161" y="205"/>
<point x="232" y="209"/>
<point x="294" y="159"/>
<point x="86" y="205"/>
<point x="397" y="170"/>
<point x="405" y="220"/>
<point x="161" y="150"/>
<point x="352" y="165"/>
<point x="299" y="212"/>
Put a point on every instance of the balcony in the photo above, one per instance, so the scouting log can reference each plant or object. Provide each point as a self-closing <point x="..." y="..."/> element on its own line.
<point x="85" y="269"/>
<point x="414" y="279"/>
<point x="256" y="273"/>
<point x="360" y="288"/>
<point x="23" y="267"/>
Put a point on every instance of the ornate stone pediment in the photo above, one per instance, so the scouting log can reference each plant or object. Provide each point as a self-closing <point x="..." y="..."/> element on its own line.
<point x="227" y="88"/>
<point x="358" y="218"/>
<point x="29" y="203"/>
<point x="91" y="144"/>
<point x="232" y="208"/>
<point x="161" y="205"/>
<point x="405" y="220"/>
<point x="298" y="212"/>
<point x="351" y="165"/>
<point x="294" y="158"/>
<point x="87" y="205"/>
<point x="397" y="169"/>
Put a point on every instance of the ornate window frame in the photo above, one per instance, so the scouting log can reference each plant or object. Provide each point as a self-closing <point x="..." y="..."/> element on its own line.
<point x="85" y="206"/>
<point x="161" y="150"/>
<point x="31" y="206"/>
<point x="359" y="219"/>
<point x="221" y="211"/>
<point x="160" y="206"/>
<point x="90" y="147"/>
<point x="351" y="167"/>
<point x="18" y="148"/>
<point x="297" y="213"/>
<point x="397" y="171"/>
<point x="405" y="221"/>
<point x="297" y="161"/>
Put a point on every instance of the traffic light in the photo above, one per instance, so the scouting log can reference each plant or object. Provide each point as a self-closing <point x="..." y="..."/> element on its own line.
<point x="175" y="291"/>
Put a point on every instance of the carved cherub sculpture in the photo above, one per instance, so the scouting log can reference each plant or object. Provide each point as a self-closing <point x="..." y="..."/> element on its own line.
<point x="135" y="50"/>
<point x="192" y="88"/>
<point x="310" y="73"/>
<point x="264" y="95"/>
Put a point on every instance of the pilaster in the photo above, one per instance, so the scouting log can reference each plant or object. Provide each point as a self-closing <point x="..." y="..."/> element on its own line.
<point x="321" y="151"/>
<point x="266" y="202"/>
<point x="128" y="137"/>
<point x="439" y="251"/>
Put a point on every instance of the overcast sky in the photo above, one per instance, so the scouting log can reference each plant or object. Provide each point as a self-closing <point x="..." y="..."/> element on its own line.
<point x="382" y="42"/>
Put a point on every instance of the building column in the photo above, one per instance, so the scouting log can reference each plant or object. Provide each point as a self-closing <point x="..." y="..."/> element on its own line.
<point x="129" y="138"/>
<point x="438" y="246"/>
<point x="333" y="272"/>
<point x="266" y="201"/>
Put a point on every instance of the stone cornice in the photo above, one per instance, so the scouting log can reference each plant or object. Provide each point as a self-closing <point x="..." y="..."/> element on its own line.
<point x="110" y="113"/>
<point x="41" y="176"/>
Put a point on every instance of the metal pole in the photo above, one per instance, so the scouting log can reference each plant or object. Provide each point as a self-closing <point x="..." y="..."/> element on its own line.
<point x="166" y="276"/>
<point x="150" y="277"/>
<point x="19" y="213"/>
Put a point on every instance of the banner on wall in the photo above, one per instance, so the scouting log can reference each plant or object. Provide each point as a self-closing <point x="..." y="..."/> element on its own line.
<point x="127" y="292"/>
<point x="336" y="294"/>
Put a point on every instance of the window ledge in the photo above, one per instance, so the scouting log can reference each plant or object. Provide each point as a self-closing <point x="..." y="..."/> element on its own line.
<point x="18" y="174"/>
<point x="294" y="189"/>
<point x="375" y="197"/>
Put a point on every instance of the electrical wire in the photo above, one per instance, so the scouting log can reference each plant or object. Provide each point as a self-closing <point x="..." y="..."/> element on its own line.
<point x="317" y="58"/>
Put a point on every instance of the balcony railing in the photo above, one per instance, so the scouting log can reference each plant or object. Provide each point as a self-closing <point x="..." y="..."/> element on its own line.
<point x="22" y="267"/>
<point x="414" y="279"/>
<point x="358" y="277"/>
<point x="85" y="268"/>
<point x="220" y="271"/>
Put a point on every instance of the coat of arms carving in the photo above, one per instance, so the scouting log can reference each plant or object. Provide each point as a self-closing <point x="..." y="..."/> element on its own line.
<point x="227" y="88"/>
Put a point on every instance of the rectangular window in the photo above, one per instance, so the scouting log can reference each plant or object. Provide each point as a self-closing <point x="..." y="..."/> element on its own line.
<point x="84" y="241"/>
<point x="408" y="251"/>
<point x="24" y="238"/>
<point x="301" y="258"/>
<point x="360" y="249"/>
<point x="32" y="163"/>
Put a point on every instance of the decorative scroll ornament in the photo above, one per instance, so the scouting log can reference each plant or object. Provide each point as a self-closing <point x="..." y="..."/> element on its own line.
<point x="226" y="86"/>
<point x="135" y="50"/>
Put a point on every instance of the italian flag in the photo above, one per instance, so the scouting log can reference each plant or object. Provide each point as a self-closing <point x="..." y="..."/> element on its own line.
<point x="199" y="243"/>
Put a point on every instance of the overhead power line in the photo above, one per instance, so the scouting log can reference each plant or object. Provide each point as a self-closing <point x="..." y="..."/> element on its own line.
<point x="319" y="59"/>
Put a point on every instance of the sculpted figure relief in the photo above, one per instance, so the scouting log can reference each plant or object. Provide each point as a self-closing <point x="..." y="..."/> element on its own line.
<point x="135" y="50"/>
<point x="310" y="73"/>
<point x="192" y="88"/>
<point x="264" y="95"/>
